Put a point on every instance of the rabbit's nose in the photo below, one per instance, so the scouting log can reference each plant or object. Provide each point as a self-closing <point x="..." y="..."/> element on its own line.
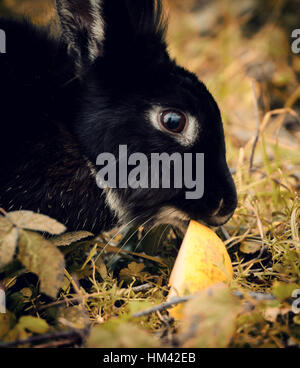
<point x="215" y="213"/>
<point x="223" y="213"/>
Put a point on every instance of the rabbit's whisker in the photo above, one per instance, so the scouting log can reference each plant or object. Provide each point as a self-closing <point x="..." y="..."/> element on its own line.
<point x="127" y="241"/>
<point x="152" y="227"/>
<point x="162" y="234"/>
<point x="119" y="232"/>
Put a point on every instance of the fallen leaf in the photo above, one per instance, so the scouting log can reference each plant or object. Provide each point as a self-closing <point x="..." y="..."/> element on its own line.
<point x="7" y="322"/>
<point x="41" y="257"/>
<point x="283" y="291"/>
<point x="74" y="317"/>
<point x="113" y="335"/>
<point x="101" y="268"/>
<point x="134" y="270"/>
<point x="34" y="221"/>
<point x="5" y="225"/>
<point x="69" y="238"/>
<point x="209" y="319"/>
<point x="26" y="292"/>
<point x="8" y="244"/>
<point x="250" y="247"/>
<point x="33" y="324"/>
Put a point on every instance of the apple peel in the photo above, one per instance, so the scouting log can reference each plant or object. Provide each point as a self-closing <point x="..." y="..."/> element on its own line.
<point x="202" y="261"/>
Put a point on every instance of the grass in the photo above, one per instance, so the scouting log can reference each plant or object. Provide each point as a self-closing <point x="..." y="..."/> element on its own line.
<point x="254" y="77"/>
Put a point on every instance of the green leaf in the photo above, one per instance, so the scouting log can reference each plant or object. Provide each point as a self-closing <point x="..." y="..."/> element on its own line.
<point x="283" y="291"/>
<point x="17" y="333"/>
<point x="33" y="324"/>
<point x="35" y="221"/>
<point x="93" y="251"/>
<point x="136" y="306"/>
<point x="122" y="335"/>
<point x="7" y="322"/>
<point x="40" y="256"/>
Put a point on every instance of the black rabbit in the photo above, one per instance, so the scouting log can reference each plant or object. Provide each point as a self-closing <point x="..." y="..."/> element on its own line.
<point x="107" y="81"/>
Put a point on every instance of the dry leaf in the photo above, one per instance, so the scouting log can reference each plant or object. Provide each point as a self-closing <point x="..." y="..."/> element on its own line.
<point x="40" y="256"/>
<point x="134" y="270"/>
<point x="5" y="225"/>
<point x="8" y="244"/>
<point x="74" y="317"/>
<point x="209" y="319"/>
<point x="69" y="238"/>
<point x="101" y="268"/>
<point x="33" y="221"/>
<point x="250" y="247"/>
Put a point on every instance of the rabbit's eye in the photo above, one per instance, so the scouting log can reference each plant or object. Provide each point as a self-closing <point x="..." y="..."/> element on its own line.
<point x="173" y="120"/>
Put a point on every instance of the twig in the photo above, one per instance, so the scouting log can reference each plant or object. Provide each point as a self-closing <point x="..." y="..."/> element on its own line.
<point x="225" y="232"/>
<point x="138" y="289"/>
<point x="167" y="305"/>
<point x="255" y="295"/>
<point x="176" y="300"/>
<point x="72" y="336"/>
<point x="56" y="344"/>
<point x="74" y="300"/>
<point x="257" y="115"/>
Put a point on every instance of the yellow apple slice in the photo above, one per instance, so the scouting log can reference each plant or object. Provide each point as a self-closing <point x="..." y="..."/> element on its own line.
<point x="202" y="261"/>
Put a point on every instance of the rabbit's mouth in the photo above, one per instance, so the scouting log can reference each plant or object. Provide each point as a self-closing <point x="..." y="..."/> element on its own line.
<point x="172" y="216"/>
<point x="166" y="215"/>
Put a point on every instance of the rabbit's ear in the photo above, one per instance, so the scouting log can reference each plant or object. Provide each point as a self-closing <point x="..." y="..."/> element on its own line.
<point x="129" y="21"/>
<point x="146" y="17"/>
<point x="82" y="29"/>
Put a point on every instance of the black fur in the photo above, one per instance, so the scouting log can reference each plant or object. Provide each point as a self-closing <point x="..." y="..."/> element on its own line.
<point x="60" y="108"/>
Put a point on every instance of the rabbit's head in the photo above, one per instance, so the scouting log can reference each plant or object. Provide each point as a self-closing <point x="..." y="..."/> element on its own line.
<point x="135" y="95"/>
